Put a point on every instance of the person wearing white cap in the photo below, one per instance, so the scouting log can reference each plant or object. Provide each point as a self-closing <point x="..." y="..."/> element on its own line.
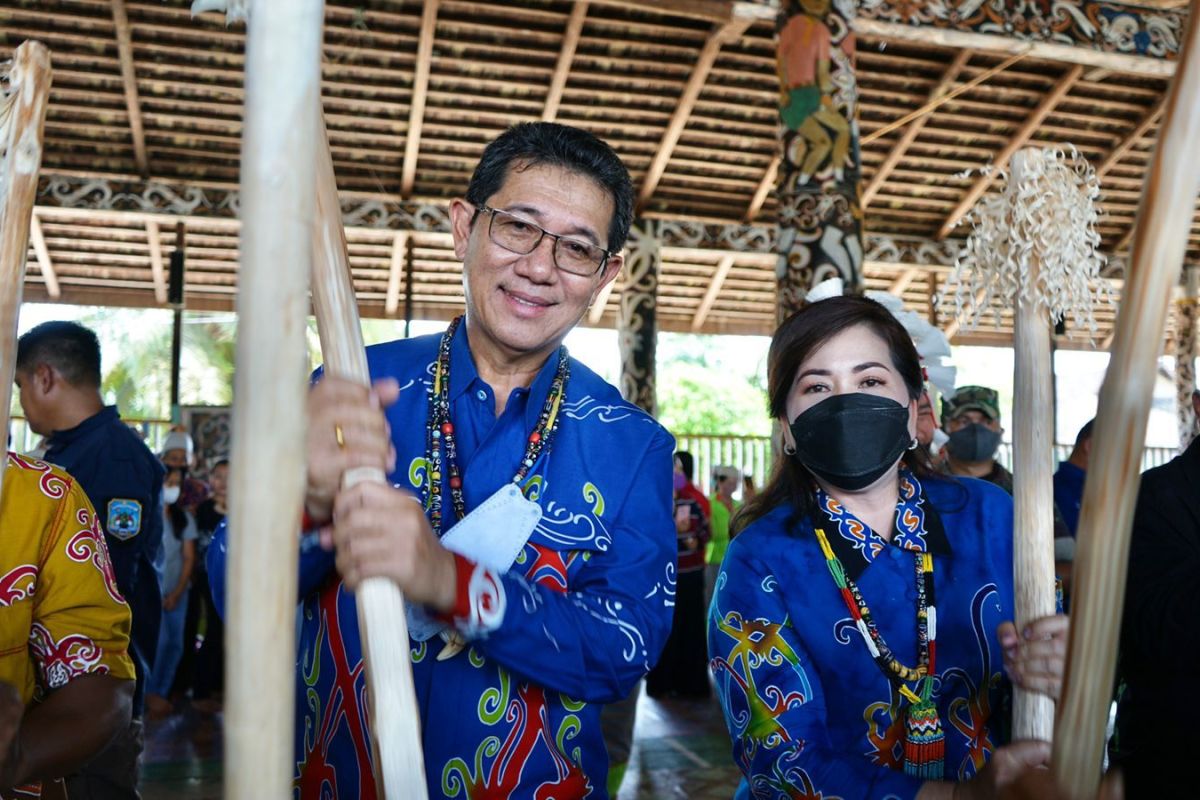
<point x="178" y="452"/>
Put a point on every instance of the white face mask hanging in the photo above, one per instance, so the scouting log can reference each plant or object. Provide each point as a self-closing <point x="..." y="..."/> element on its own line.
<point x="170" y="494"/>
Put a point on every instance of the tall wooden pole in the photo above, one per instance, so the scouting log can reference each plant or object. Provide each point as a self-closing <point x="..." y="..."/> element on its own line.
<point x="283" y="56"/>
<point x="21" y="146"/>
<point x="395" y="728"/>
<point x="1159" y="243"/>
<point x="1033" y="473"/>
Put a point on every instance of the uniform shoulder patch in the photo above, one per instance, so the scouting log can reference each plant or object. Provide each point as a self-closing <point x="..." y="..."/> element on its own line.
<point x="124" y="518"/>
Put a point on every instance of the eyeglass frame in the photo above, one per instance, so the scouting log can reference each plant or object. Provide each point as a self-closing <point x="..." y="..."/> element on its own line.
<point x="544" y="233"/>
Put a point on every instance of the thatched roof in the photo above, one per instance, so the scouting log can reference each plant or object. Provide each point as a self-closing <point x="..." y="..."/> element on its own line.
<point x="413" y="91"/>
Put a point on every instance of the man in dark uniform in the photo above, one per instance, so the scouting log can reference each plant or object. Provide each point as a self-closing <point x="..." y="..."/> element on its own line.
<point x="58" y="375"/>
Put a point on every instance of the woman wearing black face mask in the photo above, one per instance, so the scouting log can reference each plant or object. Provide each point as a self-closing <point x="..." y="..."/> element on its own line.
<point x="853" y="635"/>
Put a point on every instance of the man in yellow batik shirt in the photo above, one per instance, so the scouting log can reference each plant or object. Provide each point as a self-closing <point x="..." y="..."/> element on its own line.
<point x="66" y="679"/>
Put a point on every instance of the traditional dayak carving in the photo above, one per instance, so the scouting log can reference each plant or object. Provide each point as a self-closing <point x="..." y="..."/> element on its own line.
<point x="1108" y="27"/>
<point x="819" y="215"/>
<point x="637" y="327"/>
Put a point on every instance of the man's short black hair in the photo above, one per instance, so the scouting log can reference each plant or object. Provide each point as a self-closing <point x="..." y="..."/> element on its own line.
<point x="68" y="347"/>
<point x="530" y="144"/>
<point x="686" y="463"/>
<point x="1085" y="432"/>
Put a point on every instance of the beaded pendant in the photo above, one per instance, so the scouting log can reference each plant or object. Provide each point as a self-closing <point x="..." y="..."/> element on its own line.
<point x="441" y="448"/>
<point x="925" y="739"/>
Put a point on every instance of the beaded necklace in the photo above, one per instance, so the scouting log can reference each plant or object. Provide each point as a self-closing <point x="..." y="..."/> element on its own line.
<point x="924" y="745"/>
<point x="440" y="432"/>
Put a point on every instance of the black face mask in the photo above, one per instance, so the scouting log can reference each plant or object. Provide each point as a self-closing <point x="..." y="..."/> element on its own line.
<point x="976" y="442"/>
<point x="851" y="440"/>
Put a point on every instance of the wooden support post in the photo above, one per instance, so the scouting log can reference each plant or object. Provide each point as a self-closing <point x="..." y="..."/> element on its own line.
<point x="395" y="729"/>
<point x="157" y="272"/>
<point x="1105" y="523"/>
<point x="21" y="144"/>
<point x="1033" y="476"/>
<point x="283" y="80"/>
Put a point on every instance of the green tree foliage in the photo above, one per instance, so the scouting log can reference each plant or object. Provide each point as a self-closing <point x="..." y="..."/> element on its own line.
<point x="712" y="385"/>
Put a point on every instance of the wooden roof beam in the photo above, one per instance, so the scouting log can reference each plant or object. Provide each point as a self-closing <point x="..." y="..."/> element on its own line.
<point x="601" y="302"/>
<point x="129" y="79"/>
<point x="157" y="271"/>
<point x="914" y="128"/>
<point x="1018" y="140"/>
<point x="565" y="56"/>
<point x="988" y="43"/>
<point x="710" y="296"/>
<point x="395" y="272"/>
<point x="764" y="188"/>
<point x="1149" y="121"/>
<point x="416" y="111"/>
<point x="720" y="35"/>
<point x="38" y="239"/>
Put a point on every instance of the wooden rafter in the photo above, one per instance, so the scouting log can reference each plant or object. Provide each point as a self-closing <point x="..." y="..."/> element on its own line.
<point x="129" y="79"/>
<point x="903" y="281"/>
<point x="420" y="89"/>
<point x="720" y="35"/>
<point x="395" y="272"/>
<point x="38" y="240"/>
<point x="601" y="302"/>
<point x="157" y="271"/>
<point x="1018" y="140"/>
<point x="714" y="289"/>
<point x="914" y="128"/>
<point x="1118" y="152"/>
<point x="565" y="56"/>
<point x="764" y="188"/>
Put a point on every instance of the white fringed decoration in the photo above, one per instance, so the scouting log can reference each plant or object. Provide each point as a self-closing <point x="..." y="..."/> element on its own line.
<point x="1051" y="212"/>
<point x="932" y="345"/>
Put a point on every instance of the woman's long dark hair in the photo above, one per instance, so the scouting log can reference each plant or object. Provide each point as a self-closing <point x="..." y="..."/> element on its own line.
<point x="175" y="511"/>
<point x="795" y="340"/>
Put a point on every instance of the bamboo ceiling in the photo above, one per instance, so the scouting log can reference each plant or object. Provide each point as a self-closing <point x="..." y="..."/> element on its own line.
<point x="145" y="93"/>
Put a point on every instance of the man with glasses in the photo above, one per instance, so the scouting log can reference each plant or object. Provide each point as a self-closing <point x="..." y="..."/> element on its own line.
<point x="553" y="596"/>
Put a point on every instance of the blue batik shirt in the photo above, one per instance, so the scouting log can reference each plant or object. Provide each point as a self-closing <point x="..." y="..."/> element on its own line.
<point x="583" y="613"/>
<point x="809" y="711"/>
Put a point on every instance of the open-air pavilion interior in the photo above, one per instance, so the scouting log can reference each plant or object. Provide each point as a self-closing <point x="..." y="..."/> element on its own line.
<point x="142" y="143"/>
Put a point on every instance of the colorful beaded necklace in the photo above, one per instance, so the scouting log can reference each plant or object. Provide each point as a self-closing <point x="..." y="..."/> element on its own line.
<point x="925" y="741"/>
<point x="440" y="434"/>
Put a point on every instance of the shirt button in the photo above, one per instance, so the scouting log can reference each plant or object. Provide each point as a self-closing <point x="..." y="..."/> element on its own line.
<point x="482" y="395"/>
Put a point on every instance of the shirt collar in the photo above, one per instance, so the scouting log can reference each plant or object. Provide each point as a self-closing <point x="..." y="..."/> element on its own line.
<point x="102" y="417"/>
<point x="463" y="375"/>
<point x="918" y="527"/>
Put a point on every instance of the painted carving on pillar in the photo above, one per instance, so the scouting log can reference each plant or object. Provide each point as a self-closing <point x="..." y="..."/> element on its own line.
<point x="637" y="327"/>
<point x="819" y="214"/>
<point x="1185" y="368"/>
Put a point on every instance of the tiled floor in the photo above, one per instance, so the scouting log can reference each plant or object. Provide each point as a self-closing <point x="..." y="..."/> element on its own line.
<point x="680" y="750"/>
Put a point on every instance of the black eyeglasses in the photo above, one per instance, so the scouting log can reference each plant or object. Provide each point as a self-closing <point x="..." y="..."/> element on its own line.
<point x="522" y="237"/>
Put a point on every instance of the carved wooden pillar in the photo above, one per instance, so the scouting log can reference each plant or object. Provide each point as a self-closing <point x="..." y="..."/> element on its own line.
<point x="1185" y="356"/>
<point x="820" y="219"/>
<point x="637" y="326"/>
